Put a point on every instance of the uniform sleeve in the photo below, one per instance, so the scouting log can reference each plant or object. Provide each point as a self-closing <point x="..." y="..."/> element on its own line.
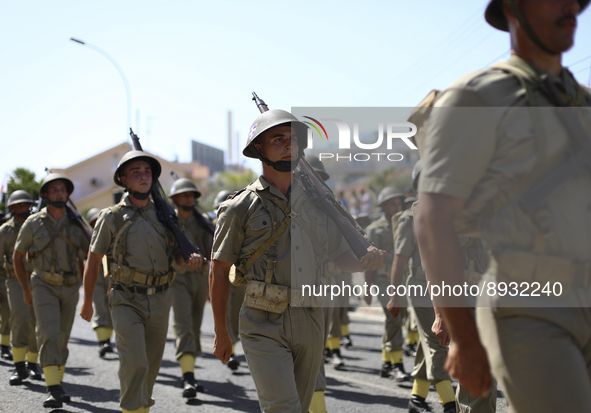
<point x="102" y="235"/>
<point x="4" y="240"/>
<point x="25" y="237"/>
<point x="229" y="234"/>
<point x="405" y="242"/>
<point x="460" y="143"/>
<point x="337" y="245"/>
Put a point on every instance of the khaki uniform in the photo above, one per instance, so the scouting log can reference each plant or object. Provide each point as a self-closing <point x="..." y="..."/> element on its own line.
<point x="540" y="355"/>
<point x="54" y="248"/>
<point x="22" y="316"/>
<point x="140" y="300"/>
<point x="189" y="293"/>
<point x="430" y="358"/>
<point x="380" y="232"/>
<point x="292" y="341"/>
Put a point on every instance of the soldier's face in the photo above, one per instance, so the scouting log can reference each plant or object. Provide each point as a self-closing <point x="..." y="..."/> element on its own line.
<point x="554" y="21"/>
<point x="137" y="177"/>
<point x="392" y="206"/>
<point x="279" y="144"/>
<point x="56" y="191"/>
<point x="21" y="208"/>
<point x="184" y="199"/>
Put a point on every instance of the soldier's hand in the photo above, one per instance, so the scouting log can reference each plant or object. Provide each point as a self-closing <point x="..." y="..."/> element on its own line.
<point x="393" y="306"/>
<point x="195" y="261"/>
<point x="28" y="297"/>
<point x="469" y="364"/>
<point x="440" y="330"/>
<point x="86" y="310"/>
<point x="222" y="346"/>
<point x="374" y="259"/>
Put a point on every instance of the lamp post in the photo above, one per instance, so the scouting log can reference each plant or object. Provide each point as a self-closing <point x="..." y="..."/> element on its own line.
<point x="127" y="91"/>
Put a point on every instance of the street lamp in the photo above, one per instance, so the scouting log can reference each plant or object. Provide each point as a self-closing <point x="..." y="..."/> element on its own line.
<point x="127" y="91"/>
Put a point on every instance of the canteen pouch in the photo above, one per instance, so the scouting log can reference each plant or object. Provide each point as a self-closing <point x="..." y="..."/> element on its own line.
<point x="267" y="297"/>
<point x="52" y="278"/>
<point x="236" y="277"/>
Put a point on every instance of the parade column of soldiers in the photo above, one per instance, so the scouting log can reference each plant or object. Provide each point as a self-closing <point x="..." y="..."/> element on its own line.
<point x="492" y="137"/>
<point x="286" y="332"/>
<point x="56" y="247"/>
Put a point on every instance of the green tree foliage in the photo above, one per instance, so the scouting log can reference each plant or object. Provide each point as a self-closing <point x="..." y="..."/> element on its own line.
<point x="231" y="181"/>
<point x="396" y="177"/>
<point x="21" y="178"/>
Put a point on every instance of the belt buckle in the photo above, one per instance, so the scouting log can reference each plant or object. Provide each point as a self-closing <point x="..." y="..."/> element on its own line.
<point x="151" y="291"/>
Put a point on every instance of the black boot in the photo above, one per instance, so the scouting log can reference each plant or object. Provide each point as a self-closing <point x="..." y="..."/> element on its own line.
<point x="418" y="405"/>
<point x="449" y="407"/>
<point x="386" y="369"/>
<point x="65" y="396"/>
<point x="346" y="342"/>
<point x="335" y="359"/>
<point x="34" y="371"/>
<point x="20" y="373"/>
<point x="54" y="397"/>
<point x="410" y="350"/>
<point x="233" y="363"/>
<point x="190" y="387"/>
<point x="399" y="374"/>
<point x="105" y="347"/>
<point x="5" y="352"/>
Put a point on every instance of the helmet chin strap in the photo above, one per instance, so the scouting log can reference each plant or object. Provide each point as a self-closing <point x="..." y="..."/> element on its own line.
<point x="526" y="26"/>
<point x="282" y="166"/>
<point x="57" y="204"/>
<point x="140" y="196"/>
<point x="23" y="214"/>
<point x="186" y="208"/>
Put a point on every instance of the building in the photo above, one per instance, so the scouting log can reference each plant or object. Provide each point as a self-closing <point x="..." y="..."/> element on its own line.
<point x="209" y="156"/>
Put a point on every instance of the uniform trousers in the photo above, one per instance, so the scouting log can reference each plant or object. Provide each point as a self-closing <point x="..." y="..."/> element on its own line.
<point x="540" y="356"/>
<point x="22" y="318"/>
<point x="321" y="379"/>
<point x="141" y="323"/>
<point x="55" y="308"/>
<point x="284" y="352"/>
<point x="4" y="308"/>
<point x="392" y="339"/>
<point x="102" y="315"/>
<point x="189" y="294"/>
<point x="431" y="356"/>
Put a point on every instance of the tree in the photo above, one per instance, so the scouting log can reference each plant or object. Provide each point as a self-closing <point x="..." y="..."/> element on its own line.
<point x="21" y="178"/>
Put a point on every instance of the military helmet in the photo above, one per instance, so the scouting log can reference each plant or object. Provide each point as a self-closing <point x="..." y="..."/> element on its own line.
<point x="19" y="197"/>
<point x="56" y="177"/>
<point x="92" y="215"/>
<point x="182" y="185"/>
<point x="268" y="120"/>
<point x="318" y="166"/>
<point x="495" y="16"/>
<point x="388" y="193"/>
<point x="137" y="156"/>
<point x="416" y="171"/>
<point x="221" y="197"/>
<point x="410" y="200"/>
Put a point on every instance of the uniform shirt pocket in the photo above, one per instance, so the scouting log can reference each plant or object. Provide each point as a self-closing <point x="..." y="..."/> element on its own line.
<point x="260" y="222"/>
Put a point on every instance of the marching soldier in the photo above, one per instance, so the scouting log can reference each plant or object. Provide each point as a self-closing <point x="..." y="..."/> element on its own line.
<point x="191" y="287"/>
<point x="5" y="352"/>
<point x="235" y="298"/>
<point x="22" y="316"/>
<point x="390" y="201"/>
<point x="55" y="245"/>
<point x="101" y="322"/>
<point x="431" y="354"/>
<point x="258" y="232"/>
<point x="140" y="250"/>
<point x="502" y="163"/>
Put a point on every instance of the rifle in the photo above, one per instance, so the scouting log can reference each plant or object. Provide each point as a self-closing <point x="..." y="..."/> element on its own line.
<point x="165" y="212"/>
<point x="75" y="216"/>
<point x="201" y="220"/>
<point x="323" y="197"/>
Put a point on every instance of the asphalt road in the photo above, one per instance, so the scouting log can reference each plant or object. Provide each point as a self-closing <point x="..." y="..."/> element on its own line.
<point x="93" y="383"/>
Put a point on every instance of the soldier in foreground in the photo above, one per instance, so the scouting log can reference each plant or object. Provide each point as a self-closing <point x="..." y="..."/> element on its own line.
<point x="56" y="246"/>
<point x="22" y="316"/>
<point x="258" y="232"/>
<point x="390" y="201"/>
<point x="101" y="322"/>
<point x="191" y="287"/>
<point x="140" y="250"/>
<point x="505" y="173"/>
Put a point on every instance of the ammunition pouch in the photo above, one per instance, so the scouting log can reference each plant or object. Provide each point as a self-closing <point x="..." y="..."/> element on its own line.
<point x="268" y="297"/>
<point x="520" y="266"/>
<point x="122" y="274"/>
<point x="58" y="279"/>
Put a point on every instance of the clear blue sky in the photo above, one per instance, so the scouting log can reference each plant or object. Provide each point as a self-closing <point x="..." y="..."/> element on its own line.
<point x="189" y="62"/>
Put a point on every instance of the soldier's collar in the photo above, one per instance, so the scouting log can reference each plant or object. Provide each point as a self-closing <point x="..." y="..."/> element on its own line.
<point x="262" y="184"/>
<point x="127" y="202"/>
